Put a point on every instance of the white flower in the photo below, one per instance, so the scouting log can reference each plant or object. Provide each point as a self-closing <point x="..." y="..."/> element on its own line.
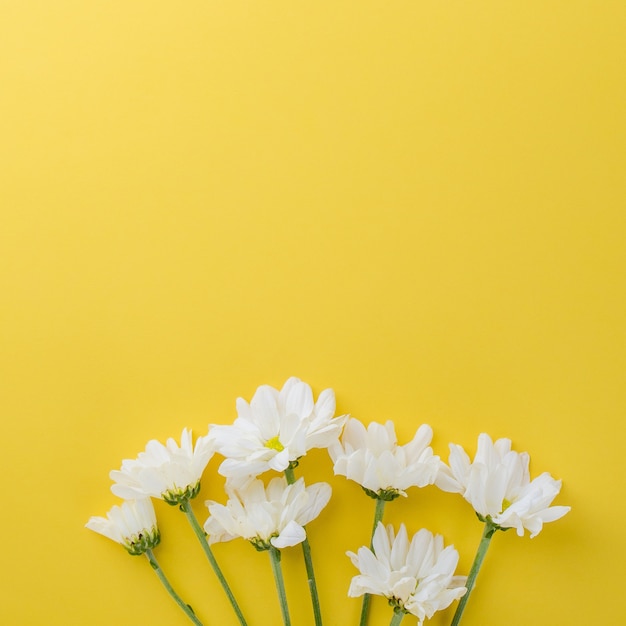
<point x="133" y="525"/>
<point x="275" y="429"/>
<point x="374" y="459"/>
<point x="497" y="484"/>
<point x="416" y="577"/>
<point x="166" y="471"/>
<point x="275" y="515"/>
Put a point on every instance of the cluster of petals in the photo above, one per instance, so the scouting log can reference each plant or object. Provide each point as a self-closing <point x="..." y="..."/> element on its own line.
<point x="133" y="525"/>
<point x="497" y="484"/>
<point x="416" y="576"/>
<point x="275" y="429"/>
<point x="373" y="458"/>
<point x="272" y="516"/>
<point x="170" y="472"/>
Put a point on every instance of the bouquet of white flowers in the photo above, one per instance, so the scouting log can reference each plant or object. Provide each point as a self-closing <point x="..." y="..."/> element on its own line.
<point x="272" y="433"/>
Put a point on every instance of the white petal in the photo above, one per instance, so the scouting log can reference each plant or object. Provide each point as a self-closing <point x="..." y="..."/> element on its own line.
<point x="318" y="497"/>
<point x="300" y="401"/>
<point x="291" y="535"/>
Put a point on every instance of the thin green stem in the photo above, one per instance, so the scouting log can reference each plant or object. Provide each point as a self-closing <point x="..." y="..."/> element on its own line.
<point x="290" y="475"/>
<point x="367" y="598"/>
<point x="488" y="532"/>
<point x="280" y="584"/>
<point x="188" y="511"/>
<point x="398" y="616"/>
<point x="378" y="517"/>
<point x="308" y="562"/>
<point x="166" y="583"/>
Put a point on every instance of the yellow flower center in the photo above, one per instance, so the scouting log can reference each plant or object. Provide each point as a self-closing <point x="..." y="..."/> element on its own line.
<point x="505" y="505"/>
<point x="274" y="444"/>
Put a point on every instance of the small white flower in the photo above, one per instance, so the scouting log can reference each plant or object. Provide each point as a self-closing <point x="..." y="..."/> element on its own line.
<point x="168" y="471"/>
<point x="276" y="429"/>
<point x="497" y="484"/>
<point x="416" y="577"/>
<point x="374" y="459"/>
<point x="275" y="515"/>
<point x="133" y="525"/>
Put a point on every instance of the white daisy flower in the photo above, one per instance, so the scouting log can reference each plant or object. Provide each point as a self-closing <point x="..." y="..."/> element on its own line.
<point x="275" y="429"/>
<point x="497" y="484"/>
<point x="416" y="577"/>
<point x="170" y="472"/>
<point x="133" y="525"/>
<point x="274" y="516"/>
<point x="374" y="459"/>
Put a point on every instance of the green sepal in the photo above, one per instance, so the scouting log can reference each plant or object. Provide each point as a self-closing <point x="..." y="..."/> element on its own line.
<point x="492" y="526"/>
<point x="398" y="606"/>
<point x="142" y="542"/>
<point x="386" y="495"/>
<point x="261" y="545"/>
<point x="181" y="495"/>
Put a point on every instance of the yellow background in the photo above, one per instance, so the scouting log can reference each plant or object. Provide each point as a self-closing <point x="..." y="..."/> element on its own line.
<point x="419" y="203"/>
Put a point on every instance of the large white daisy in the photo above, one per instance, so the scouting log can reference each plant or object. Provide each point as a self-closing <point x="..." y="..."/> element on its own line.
<point x="497" y="484"/>
<point x="275" y="429"/>
<point x="274" y="516"/>
<point x="373" y="458"/>
<point x="416" y="577"/>
<point x="170" y="472"/>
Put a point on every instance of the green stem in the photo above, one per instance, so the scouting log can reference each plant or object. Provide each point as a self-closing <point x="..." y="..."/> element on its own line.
<point x="398" y="616"/>
<point x="367" y="598"/>
<point x="308" y="562"/>
<point x="378" y="517"/>
<point x="280" y="584"/>
<point x="166" y="583"/>
<point x="290" y="475"/>
<point x="185" y="507"/>
<point x="488" y="532"/>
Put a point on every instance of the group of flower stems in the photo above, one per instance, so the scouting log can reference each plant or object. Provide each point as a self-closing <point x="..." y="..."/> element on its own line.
<point x="275" y="559"/>
<point x="273" y="432"/>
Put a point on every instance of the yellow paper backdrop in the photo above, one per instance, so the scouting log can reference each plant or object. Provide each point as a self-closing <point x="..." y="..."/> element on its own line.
<point x="419" y="203"/>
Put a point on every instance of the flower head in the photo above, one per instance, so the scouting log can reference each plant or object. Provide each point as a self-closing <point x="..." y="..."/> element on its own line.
<point x="275" y="429"/>
<point x="497" y="484"/>
<point x="133" y="525"/>
<point x="275" y="515"/>
<point x="416" y="577"/>
<point x="169" y="471"/>
<point x="374" y="459"/>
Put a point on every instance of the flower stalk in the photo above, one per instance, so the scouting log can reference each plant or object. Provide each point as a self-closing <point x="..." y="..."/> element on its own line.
<point x="398" y="616"/>
<point x="378" y="517"/>
<point x="308" y="561"/>
<point x="280" y="584"/>
<point x="185" y="507"/>
<point x="367" y="598"/>
<point x="166" y="583"/>
<point x="488" y="532"/>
